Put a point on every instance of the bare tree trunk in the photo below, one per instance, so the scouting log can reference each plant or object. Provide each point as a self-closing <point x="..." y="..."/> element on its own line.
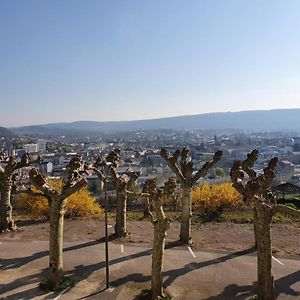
<point x="147" y="207"/>
<point x="256" y="234"/>
<point x="120" y="226"/>
<point x="160" y="229"/>
<point x="56" y="273"/>
<point x="6" y="218"/>
<point x="262" y="220"/>
<point x="185" y="229"/>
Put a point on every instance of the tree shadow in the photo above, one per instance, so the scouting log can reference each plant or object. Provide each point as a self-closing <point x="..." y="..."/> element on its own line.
<point x="23" y="281"/>
<point x="283" y="285"/>
<point x="175" y="273"/>
<point x="24" y="223"/>
<point x="81" y="272"/>
<point x="236" y="292"/>
<point x="14" y="263"/>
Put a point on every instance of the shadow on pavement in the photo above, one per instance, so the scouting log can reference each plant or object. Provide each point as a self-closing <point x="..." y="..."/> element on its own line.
<point x="81" y="272"/>
<point x="171" y="275"/>
<point x="17" y="262"/>
<point x="23" y="281"/>
<point x="282" y="286"/>
<point x="175" y="273"/>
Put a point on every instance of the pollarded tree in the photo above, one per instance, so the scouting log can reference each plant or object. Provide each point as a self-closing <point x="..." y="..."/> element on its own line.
<point x="7" y="178"/>
<point x="184" y="172"/>
<point x="161" y="224"/>
<point x="146" y="199"/>
<point x="256" y="191"/>
<point x="57" y="199"/>
<point x="122" y="183"/>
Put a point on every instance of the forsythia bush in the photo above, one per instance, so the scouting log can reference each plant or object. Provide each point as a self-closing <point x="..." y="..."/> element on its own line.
<point x="80" y="204"/>
<point x="210" y="200"/>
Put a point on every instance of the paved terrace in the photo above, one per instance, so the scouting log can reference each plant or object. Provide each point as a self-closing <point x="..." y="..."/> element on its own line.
<point x="188" y="274"/>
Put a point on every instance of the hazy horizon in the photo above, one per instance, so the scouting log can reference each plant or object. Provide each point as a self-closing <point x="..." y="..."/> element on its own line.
<point x="115" y="61"/>
<point x="149" y="119"/>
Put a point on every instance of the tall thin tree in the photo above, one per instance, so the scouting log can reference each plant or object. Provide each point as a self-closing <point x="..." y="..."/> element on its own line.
<point x="57" y="199"/>
<point x="7" y="180"/>
<point x="184" y="172"/>
<point x="256" y="191"/>
<point x="161" y="224"/>
<point x="122" y="184"/>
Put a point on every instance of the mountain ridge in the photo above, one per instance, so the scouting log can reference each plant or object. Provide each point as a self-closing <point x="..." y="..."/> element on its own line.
<point x="6" y="133"/>
<point x="259" y="120"/>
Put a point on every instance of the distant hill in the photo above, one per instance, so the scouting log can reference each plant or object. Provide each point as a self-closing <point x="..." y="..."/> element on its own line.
<point x="7" y="134"/>
<point x="259" y="120"/>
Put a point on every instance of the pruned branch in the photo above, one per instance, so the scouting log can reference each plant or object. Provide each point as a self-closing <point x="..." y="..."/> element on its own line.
<point x="114" y="174"/>
<point x="186" y="165"/>
<point x="75" y="181"/>
<point x="114" y="157"/>
<point x="269" y="175"/>
<point x="73" y="184"/>
<point x="99" y="174"/>
<point x="12" y="164"/>
<point x="132" y="179"/>
<point x="172" y="163"/>
<point x="203" y="171"/>
<point x="256" y="187"/>
<point x="78" y="185"/>
<point x="248" y="163"/>
<point x="25" y="162"/>
<point x="40" y="183"/>
<point x="152" y="218"/>
<point x="237" y="177"/>
<point x="2" y="156"/>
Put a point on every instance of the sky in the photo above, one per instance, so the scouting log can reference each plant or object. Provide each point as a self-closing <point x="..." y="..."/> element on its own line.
<point x="103" y="60"/>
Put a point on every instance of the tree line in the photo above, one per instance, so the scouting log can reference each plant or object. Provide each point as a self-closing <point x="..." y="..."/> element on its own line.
<point x="254" y="188"/>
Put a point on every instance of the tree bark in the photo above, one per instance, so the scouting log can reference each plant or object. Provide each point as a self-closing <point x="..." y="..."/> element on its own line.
<point x="6" y="217"/>
<point x="120" y="226"/>
<point x="262" y="220"/>
<point x="256" y="234"/>
<point x="185" y="229"/>
<point x="56" y="273"/>
<point x="160" y="228"/>
<point x="147" y="207"/>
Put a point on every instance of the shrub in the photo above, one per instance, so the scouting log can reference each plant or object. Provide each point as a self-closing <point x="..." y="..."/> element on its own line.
<point x="210" y="200"/>
<point x="80" y="204"/>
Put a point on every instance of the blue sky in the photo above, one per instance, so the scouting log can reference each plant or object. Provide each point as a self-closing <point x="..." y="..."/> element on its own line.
<point x="70" y="60"/>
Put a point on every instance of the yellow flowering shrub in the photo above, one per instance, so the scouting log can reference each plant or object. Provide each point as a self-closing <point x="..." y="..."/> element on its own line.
<point x="80" y="204"/>
<point x="210" y="200"/>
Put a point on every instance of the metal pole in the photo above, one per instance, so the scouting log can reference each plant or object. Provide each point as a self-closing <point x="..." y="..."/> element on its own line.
<point x="106" y="236"/>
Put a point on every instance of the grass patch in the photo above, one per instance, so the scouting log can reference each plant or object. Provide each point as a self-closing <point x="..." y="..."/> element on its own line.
<point x="145" y="294"/>
<point x="242" y="216"/>
<point x="135" y="216"/>
<point x="278" y="218"/>
<point x="65" y="283"/>
<point x="139" y="216"/>
<point x="288" y="196"/>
